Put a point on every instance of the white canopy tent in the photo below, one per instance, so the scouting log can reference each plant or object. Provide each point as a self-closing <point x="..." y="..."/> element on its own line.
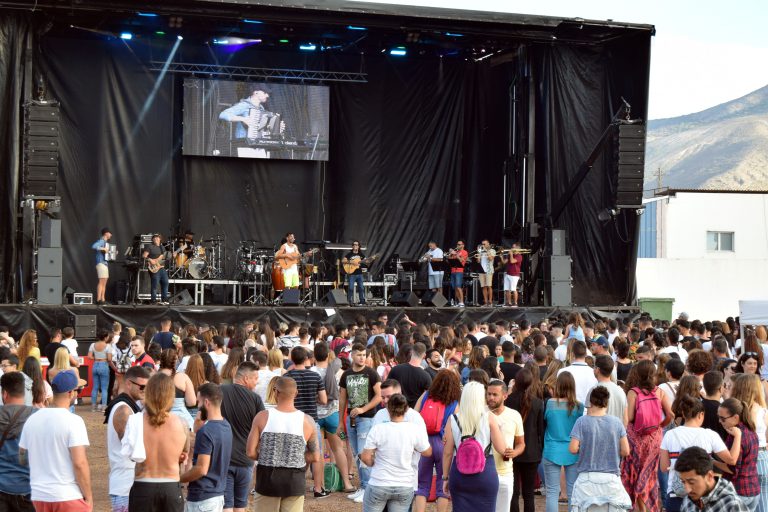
<point x="752" y="312"/>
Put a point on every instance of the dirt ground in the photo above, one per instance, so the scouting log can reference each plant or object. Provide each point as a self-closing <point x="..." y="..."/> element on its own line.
<point x="97" y="456"/>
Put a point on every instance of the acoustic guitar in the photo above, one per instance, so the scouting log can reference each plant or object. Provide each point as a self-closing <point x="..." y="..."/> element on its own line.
<point x="287" y="261"/>
<point x="352" y="265"/>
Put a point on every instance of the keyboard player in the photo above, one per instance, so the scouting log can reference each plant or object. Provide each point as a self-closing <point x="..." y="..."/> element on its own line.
<point x="253" y="121"/>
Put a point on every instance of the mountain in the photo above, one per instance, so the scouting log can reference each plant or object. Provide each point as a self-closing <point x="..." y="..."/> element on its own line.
<point x="723" y="147"/>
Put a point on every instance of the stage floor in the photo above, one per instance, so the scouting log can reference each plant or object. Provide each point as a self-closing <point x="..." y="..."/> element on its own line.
<point x="43" y="318"/>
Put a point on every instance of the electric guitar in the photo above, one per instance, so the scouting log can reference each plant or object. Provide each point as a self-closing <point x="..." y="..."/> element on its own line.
<point x="353" y="264"/>
<point x="287" y="261"/>
<point x="155" y="265"/>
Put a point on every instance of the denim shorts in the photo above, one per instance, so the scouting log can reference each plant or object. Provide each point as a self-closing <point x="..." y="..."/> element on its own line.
<point x="330" y="423"/>
<point x="238" y="485"/>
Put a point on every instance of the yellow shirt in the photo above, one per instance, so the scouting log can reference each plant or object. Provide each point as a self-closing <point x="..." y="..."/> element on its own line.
<point x="511" y="424"/>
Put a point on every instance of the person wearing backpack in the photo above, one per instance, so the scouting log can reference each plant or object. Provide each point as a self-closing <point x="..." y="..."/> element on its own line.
<point x="469" y="472"/>
<point x="645" y="405"/>
<point x="436" y="406"/>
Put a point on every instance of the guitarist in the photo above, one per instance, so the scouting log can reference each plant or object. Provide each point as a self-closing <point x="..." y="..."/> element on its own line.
<point x="355" y="255"/>
<point x="290" y="253"/>
<point x="155" y="255"/>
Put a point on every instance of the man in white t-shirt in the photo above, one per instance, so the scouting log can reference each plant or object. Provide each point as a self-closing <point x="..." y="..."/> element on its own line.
<point x="581" y="371"/>
<point x="511" y="424"/>
<point x="69" y="341"/>
<point x="53" y="443"/>
<point x="218" y="355"/>
<point x="435" y="277"/>
<point x="673" y="339"/>
<point x="617" y="399"/>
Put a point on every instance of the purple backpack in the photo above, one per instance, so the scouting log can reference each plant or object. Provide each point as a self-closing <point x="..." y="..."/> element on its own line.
<point x="470" y="456"/>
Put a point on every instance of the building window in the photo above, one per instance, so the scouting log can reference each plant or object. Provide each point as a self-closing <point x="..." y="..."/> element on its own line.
<point x="720" y="241"/>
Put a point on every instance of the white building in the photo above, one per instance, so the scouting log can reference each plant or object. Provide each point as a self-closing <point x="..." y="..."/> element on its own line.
<point x="705" y="249"/>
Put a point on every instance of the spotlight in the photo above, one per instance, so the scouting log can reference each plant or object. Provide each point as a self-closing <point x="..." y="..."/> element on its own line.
<point x="180" y="37"/>
<point x="400" y="51"/>
<point x="256" y="22"/>
<point x="350" y="27"/>
<point x="147" y="14"/>
<point x="453" y="34"/>
<point x="126" y="35"/>
<point x="607" y="214"/>
<point x="308" y="47"/>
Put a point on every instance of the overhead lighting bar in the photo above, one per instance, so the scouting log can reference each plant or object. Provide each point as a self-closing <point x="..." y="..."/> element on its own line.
<point x="308" y="47"/>
<point x="127" y="36"/>
<point x="400" y="51"/>
<point x="303" y="75"/>
<point x="350" y="27"/>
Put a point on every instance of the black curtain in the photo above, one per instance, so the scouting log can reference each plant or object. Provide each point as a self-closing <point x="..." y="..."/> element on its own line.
<point x="15" y="29"/>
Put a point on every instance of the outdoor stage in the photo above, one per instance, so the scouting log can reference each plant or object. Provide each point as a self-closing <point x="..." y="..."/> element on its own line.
<point x="44" y="318"/>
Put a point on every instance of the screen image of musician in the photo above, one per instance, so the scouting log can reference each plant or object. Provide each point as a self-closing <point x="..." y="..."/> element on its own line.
<point x="458" y="258"/>
<point x="101" y="246"/>
<point x="486" y="256"/>
<point x="255" y="120"/>
<point x="353" y="262"/>
<point x="155" y="256"/>
<point x="512" y="260"/>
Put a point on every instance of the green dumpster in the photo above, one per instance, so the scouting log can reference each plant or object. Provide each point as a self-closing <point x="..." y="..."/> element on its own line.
<point x="658" y="308"/>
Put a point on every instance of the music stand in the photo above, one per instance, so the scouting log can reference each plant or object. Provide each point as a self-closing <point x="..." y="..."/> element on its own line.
<point x="441" y="266"/>
<point x="476" y="268"/>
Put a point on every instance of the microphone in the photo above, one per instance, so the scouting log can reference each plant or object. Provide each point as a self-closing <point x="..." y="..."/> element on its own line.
<point x="213" y="220"/>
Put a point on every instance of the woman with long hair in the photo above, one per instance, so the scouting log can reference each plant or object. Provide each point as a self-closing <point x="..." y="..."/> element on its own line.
<point x="476" y="357"/>
<point x="575" y="327"/>
<point x="525" y="400"/>
<point x="490" y="365"/>
<point x="209" y="368"/>
<point x="28" y="346"/>
<point x="60" y="364"/>
<point x="41" y="390"/>
<point x="195" y="370"/>
<point x="639" y="471"/>
<point x="100" y="353"/>
<point x="560" y="414"/>
<point x="184" y="394"/>
<point x="690" y="433"/>
<point x="549" y="381"/>
<point x="736" y="420"/>
<point x="750" y="363"/>
<point x="472" y="492"/>
<point x="443" y="395"/>
<point x="236" y="356"/>
<point x="688" y="387"/>
<point x="748" y="389"/>
<point x="623" y="362"/>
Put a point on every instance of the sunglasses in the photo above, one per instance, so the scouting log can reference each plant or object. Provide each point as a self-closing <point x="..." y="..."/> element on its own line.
<point x="723" y="418"/>
<point x="750" y="353"/>
<point x="140" y="386"/>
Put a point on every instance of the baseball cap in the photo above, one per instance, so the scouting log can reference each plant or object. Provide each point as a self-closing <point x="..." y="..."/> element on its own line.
<point x="600" y="340"/>
<point x="65" y="382"/>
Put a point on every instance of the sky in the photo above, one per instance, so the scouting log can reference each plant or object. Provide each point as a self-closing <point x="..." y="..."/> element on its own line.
<point x="705" y="52"/>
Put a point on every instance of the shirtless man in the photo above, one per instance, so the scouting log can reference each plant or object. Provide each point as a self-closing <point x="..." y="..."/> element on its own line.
<point x="156" y="486"/>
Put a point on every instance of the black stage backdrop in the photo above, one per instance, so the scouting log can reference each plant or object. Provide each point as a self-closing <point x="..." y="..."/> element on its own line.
<point x="416" y="153"/>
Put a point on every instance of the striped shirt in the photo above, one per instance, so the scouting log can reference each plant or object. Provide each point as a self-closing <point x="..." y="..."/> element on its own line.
<point x="309" y="384"/>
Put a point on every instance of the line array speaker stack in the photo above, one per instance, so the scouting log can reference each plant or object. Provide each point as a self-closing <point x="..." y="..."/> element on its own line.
<point x="49" y="258"/>
<point x="557" y="270"/>
<point x="630" y="157"/>
<point x="41" y="149"/>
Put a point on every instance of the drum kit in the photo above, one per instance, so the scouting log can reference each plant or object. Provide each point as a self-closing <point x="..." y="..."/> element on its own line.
<point x="202" y="260"/>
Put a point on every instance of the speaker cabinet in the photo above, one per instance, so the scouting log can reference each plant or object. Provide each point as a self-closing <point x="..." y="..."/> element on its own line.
<point x="404" y="298"/>
<point x="435" y="299"/>
<point x="335" y="297"/>
<point x="50" y="232"/>
<point x="49" y="261"/>
<point x="291" y="297"/>
<point x="49" y="290"/>
<point x="183" y="298"/>
<point x="629" y="156"/>
<point x="556" y="242"/>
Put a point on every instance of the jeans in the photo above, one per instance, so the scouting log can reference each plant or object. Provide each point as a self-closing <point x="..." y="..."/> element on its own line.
<point x="525" y="484"/>
<point x="663" y="482"/>
<point x="100" y="374"/>
<point x="15" y="503"/>
<point x="215" y="504"/>
<point x="160" y="277"/>
<point x="395" y="499"/>
<point x="357" y="435"/>
<point x="552" y="482"/>
<point x="672" y="503"/>
<point x="352" y="279"/>
<point x="750" y="502"/>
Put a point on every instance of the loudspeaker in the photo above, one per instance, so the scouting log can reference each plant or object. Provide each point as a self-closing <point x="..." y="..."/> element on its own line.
<point x="50" y="232"/>
<point x="219" y="293"/>
<point x="556" y="242"/>
<point x="560" y="293"/>
<point x="629" y="155"/>
<point x="49" y="290"/>
<point x="68" y="294"/>
<point x="143" y="285"/>
<point x="404" y="298"/>
<point x="182" y="298"/>
<point x="42" y="129"/>
<point x="291" y="297"/>
<point x="435" y="299"/>
<point x="557" y="268"/>
<point x="49" y="262"/>
<point x="85" y="326"/>
<point x="335" y="297"/>
<point x="40" y="188"/>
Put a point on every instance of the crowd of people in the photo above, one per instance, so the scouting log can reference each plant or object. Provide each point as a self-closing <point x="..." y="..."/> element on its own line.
<point x="631" y="414"/>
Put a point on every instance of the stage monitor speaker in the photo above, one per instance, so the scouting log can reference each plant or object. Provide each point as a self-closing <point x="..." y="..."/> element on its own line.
<point x="49" y="290"/>
<point x="50" y="232"/>
<point x="291" y="297"/>
<point x="335" y="297"/>
<point x="219" y="294"/>
<point x="629" y="155"/>
<point x="49" y="261"/>
<point x="183" y="298"/>
<point x="435" y="299"/>
<point x="404" y="298"/>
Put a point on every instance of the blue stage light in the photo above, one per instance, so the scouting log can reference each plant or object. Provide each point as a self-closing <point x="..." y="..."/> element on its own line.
<point x="147" y="14"/>
<point x="126" y="35"/>
<point x="253" y="21"/>
<point x="308" y="47"/>
<point x="179" y="37"/>
<point x="453" y="34"/>
<point x="350" y="27"/>
<point x="398" y="52"/>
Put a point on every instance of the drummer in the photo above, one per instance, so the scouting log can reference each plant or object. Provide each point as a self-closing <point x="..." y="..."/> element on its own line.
<point x="188" y="240"/>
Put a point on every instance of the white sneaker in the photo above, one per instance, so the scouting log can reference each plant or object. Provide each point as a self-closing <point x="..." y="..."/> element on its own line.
<point x="356" y="494"/>
<point x="359" y="499"/>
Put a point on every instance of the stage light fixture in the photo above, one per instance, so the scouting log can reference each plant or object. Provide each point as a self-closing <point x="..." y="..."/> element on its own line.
<point x="180" y="37"/>
<point x="453" y="34"/>
<point x="400" y="51"/>
<point x="159" y="33"/>
<point x="308" y="47"/>
<point x="350" y="27"/>
<point x="147" y="14"/>
<point x="607" y="214"/>
<point x="283" y="41"/>
<point x="234" y="41"/>
<point x="255" y="22"/>
<point x="126" y="36"/>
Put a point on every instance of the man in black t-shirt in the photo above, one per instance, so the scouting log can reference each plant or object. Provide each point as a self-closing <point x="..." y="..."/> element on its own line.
<point x="55" y="344"/>
<point x="154" y="254"/>
<point x="413" y="379"/>
<point x="164" y="337"/>
<point x="360" y="394"/>
<point x="355" y="256"/>
<point x="508" y="366"/>
<point x="239" y="406"/>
